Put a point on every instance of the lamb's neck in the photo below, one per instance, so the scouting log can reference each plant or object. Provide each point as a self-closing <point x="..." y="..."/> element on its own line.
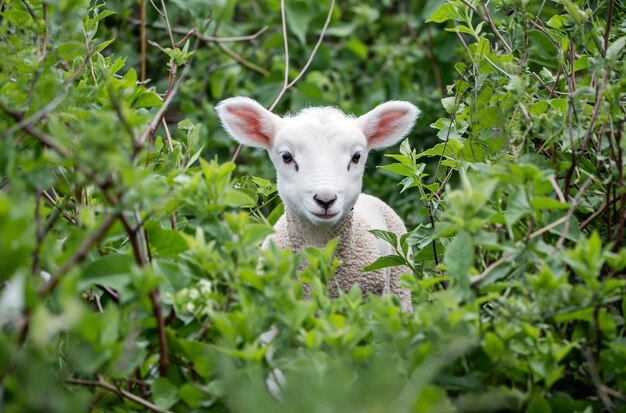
<point x="316" y="235"/>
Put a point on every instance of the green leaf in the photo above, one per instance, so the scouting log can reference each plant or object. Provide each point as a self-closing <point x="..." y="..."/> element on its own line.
<point x="493" y="346"/>
<point x="445" y="12"/>
<point x="458" y="259"/>
<point x="615" y="50"/>
<point x="299" y="16"/>
<point x="109" y="270"/>
<point x="449" y="104"/>
<point x="390" y="237"/>
<point x="148" y="100"/>
<point x="358" y="48"/>
<point x="192" y="395"/>
<point x="165" y="242"/>
<point x="235" y="198"/>
<point x="538" y="405"/>
<point x="385" y="262"/>
<point x="164" y="392"/>
<point x="399" y="168"/>
<point x="543" y="202"/>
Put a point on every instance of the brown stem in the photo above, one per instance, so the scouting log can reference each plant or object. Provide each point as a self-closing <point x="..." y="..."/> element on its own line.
<point x="570" y="115"/>
<point x="242" y="61"/>
<point x="597" y="381"/>
<point x="110" y="292"/>
<point x="158" y="314"/>
<point x="157" y="118"/>
<point x="67" y="216"/>
<point x="619" y="235"/>
<point x="606" y="205"/>
<point x="608" y="27"/>
<point x="487" y="18"/>
<point x="119" y="392"/>
<point x="143" y="41"/>
<point x="79" y="255"/>
<point x="38" y="231"/>
<point x="432" y="225"/>
<point x="207" y="39"/>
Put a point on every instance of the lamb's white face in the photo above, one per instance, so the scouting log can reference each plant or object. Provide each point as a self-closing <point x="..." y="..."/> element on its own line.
<point x="319" y="157"/>
<point x="318" y="154"/>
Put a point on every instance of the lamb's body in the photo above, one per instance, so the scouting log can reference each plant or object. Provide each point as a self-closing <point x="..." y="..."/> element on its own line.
<point x="320" y="156"/>
<point x="357" y="247"/>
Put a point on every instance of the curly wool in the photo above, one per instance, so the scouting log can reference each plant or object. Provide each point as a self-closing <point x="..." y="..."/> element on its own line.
<point x="357" y="247"/>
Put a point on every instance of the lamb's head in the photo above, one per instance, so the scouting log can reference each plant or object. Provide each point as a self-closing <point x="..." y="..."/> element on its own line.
<point x="319" y="154"/>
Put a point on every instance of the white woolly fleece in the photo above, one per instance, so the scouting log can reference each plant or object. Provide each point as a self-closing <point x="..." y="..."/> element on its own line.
<point x="357" y="247"/>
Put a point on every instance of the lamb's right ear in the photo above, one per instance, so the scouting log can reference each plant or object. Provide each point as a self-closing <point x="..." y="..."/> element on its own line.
<point x="388" y="123"/>
<point x="248" y="122"/>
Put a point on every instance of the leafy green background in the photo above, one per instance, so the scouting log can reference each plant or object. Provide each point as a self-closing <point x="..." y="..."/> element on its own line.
<point x="129" y="244"/>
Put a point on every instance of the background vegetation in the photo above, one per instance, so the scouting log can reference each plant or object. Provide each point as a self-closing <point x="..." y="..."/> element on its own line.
<point x="129" y="242"/>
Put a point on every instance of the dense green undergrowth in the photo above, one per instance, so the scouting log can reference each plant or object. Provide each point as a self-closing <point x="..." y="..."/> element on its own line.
<point x="129" y="245"/>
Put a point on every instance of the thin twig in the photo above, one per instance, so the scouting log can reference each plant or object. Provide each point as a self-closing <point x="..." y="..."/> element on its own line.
<point x="167" y="24"/>
<point x="206" y="39"/>
<point x="44" y="47"/>
<point x="67" y="216"/>
<point x="599" y="211"/>
<point x="30" y="10"/>
<point x="170" y="146"/>
<point x="158" y="314"/>
<point x="142" y="29"/>
<point x="570" y="213"/>
<point x="157" y="118"/>
<point x="242" y="61"/>
<point x="487" y="18"/>
<point x="597" y="381"/>
<point x="607" y="32"/>
<point x="38" y="231"/>
<point x="119" y="392"/>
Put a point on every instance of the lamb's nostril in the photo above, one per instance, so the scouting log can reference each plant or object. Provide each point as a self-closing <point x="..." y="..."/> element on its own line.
<point x="325" y="200"/>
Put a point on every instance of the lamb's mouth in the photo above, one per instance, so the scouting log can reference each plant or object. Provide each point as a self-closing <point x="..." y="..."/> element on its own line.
<point x="326" y="215"/>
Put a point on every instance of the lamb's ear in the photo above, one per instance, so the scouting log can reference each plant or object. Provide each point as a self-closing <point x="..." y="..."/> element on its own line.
<point x="388" y="123"/>
<point x="248" y="122"/>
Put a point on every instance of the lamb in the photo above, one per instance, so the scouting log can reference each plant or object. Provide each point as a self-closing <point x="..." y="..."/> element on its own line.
<point x="319" y="156"/>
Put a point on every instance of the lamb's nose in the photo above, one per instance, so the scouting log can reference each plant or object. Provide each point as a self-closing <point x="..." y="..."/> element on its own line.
<point x="325" y="199"/>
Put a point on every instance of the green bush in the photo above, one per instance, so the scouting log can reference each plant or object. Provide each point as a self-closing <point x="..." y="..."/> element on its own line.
<point x="129" y="244"/>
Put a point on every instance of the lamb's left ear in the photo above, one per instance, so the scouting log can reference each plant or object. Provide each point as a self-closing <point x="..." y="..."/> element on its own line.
<point x="387" y="123"/>
<point x="248" y="122"/>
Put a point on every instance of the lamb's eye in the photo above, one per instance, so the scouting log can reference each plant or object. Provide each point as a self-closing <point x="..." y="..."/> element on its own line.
<point x="356" y="157"/>
<point x="287" y="157"/>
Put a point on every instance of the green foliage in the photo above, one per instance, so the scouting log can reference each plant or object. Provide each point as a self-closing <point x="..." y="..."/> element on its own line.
<point x="130" y="269"/>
